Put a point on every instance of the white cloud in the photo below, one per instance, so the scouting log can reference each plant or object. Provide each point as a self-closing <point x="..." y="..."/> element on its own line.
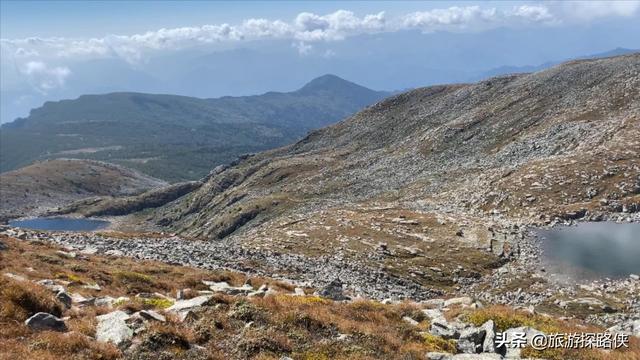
<point x="306" y="28"/>
<point x="43" y="77"/>
<point x="438" y="19"/>
<point x="303" y="48"/>
<point x="533" y="13"/>
<point x="24" y="53"/>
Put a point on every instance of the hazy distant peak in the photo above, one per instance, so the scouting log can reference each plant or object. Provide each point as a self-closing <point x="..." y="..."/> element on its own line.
<point x="330" y="82"/>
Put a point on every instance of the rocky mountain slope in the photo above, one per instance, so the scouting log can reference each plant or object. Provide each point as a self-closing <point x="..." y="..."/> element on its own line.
<point x="559" y="142"/>
<point x="176" y="137"/>
<point x="54" y="183"/>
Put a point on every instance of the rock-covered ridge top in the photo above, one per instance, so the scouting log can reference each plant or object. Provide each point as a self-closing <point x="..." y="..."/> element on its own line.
<point x="53" y="183"/>
<point x="431" y="142"/>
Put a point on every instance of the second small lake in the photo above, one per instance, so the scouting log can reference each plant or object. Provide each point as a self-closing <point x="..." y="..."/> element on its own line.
<point x="60" y="224"/>
<point x="593" y="249"/>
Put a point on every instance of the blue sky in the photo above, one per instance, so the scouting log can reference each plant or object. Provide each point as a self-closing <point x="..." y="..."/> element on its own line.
<point x="51" y="50"/>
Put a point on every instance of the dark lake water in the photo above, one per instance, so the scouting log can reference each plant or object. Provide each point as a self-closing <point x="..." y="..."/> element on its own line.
<point x="60" y="224"/>
<point x="594" y="248"/>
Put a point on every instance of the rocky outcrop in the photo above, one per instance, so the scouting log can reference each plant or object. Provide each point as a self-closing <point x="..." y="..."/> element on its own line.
<point x="109" y="206"/>
<point x="49" y="185"/>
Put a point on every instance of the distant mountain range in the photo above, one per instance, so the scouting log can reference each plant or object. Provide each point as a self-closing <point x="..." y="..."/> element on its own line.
<point x="177" y="137"/>
<point x="502" y="70"/>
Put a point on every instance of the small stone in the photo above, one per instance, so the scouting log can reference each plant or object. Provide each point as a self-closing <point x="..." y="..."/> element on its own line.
<point x="104" y="301"/>
<point x="64" y="254"/>
<point x="114" y="252"/>
<point x="465" y="300"/>
<point x="92" y="287"/>
<point x="298" y="291"/>
<point x="88" y="250"/>
<point x="152" y="315"/>
<point x="437" y="303"/>
<point x="64" y="298"/>
<point x="634" y="277"/>
<point x="190" y="304"/>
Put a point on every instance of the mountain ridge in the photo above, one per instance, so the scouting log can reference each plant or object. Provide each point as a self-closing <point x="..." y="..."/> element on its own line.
<point x="176" y="137"/>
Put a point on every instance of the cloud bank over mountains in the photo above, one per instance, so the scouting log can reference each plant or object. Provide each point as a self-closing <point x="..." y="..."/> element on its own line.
<point x="308" y="28"/>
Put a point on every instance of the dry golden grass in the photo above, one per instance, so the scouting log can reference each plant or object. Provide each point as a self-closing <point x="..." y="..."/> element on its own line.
<point x="302" y="327"/>
<point x="21" y="299"/>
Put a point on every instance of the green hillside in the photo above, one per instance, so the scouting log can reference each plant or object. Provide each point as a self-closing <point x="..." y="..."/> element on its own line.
<point x="176" y="137"/>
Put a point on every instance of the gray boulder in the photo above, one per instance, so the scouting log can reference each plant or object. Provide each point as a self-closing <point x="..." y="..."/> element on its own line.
<point x="112" y="327"/>
<point x="471" y="340"/>
<point x="489" y="343"/>
<point x="46" y="321"/>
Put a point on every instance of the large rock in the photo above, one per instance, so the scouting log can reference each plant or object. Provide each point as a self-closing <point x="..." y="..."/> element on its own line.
<point x="489" y="343"/>
<point x="46" y="321"/>
<point x="512" y="336"/>
<point x="471" y="340"/>
<point x="112" y="327"/>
